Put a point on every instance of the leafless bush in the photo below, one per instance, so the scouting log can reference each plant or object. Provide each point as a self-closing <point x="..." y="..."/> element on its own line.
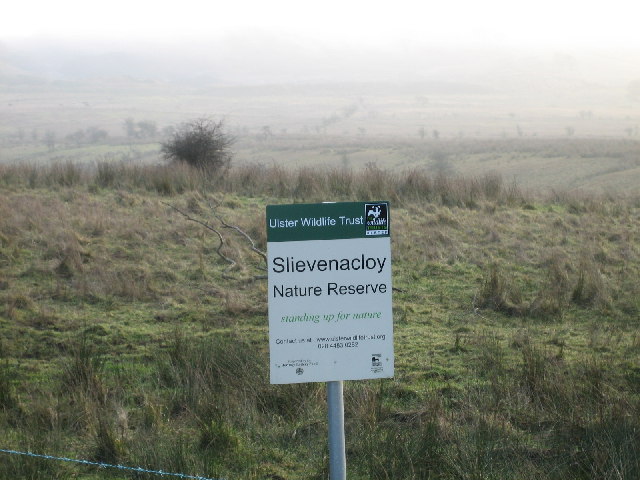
<point x="202" y="144"/>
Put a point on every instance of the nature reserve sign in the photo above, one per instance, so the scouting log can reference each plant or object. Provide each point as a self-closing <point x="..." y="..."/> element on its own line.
<point x="330" y="312"/>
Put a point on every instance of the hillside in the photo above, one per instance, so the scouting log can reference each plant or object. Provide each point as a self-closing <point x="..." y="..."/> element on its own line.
<point x="128" y="339"/>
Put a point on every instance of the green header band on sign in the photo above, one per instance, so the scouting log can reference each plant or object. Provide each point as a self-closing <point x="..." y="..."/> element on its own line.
<point x="327" y="221"/>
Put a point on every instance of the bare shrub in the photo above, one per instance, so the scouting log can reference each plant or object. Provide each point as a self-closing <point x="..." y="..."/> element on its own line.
<point x="201" y="143"/>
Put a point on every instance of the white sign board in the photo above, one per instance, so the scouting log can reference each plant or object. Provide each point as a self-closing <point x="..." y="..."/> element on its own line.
<point x="330" y="309"/>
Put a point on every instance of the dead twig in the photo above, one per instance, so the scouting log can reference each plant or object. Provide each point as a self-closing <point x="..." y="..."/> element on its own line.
<point x="252" y="243"/>
<point x="230" y="261"/>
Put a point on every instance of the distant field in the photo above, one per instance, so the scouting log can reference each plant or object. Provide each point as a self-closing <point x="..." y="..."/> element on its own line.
<point x="586" y="137"/>
<point x="599" y="165"/>
<point x="559" y="163"/>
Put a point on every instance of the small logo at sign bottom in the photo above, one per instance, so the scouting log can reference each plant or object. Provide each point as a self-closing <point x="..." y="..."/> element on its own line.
<point x="376" y="364"/>
<point x="299" y="371"/>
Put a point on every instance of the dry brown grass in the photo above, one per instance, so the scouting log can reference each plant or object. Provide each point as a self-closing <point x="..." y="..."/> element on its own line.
<point x="499" y="388"/>
<point x="309" y="184"/>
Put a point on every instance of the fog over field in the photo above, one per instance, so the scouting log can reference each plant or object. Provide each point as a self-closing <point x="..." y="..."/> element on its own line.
<point x="304" y="82"/>
<point x="134" y="295"/>
<point x="260" y="57"/>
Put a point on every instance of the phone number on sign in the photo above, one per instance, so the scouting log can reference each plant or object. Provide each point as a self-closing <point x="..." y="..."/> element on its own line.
<point x="338" y="345"/>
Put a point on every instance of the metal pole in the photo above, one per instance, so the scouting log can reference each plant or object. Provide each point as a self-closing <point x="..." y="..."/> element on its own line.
<point x="337" y="456"/>
<point x="335" y="414"/>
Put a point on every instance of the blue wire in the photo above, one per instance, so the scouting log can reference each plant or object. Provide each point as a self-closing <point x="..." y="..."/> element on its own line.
<point x="106" y="465"/>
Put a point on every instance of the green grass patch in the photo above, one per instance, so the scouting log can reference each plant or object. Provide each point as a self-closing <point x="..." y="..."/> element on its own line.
<point x="127" y="338"/>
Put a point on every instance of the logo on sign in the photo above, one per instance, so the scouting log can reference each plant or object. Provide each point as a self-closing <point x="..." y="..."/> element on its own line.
<point x="377" y="218"/>
<point x="376" y="364"/>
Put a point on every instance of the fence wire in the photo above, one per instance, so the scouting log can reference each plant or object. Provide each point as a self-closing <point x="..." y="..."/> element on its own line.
<point x="106" y="465"/>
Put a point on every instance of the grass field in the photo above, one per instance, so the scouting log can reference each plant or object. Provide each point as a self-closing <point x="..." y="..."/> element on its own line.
<point x="126" y="338"/>
<point x="551" y="133"/>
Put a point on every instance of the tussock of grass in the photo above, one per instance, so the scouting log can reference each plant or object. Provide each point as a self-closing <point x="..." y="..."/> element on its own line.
<point x="499" y="293"/>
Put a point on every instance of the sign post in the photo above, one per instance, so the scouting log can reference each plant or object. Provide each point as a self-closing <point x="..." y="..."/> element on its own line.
<point x="335" y="417"/>
<point x="330" y="310"/>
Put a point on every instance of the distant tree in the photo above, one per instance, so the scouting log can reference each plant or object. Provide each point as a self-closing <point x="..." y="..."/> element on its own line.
<point x="266" y="132"/>
<point x="96" y="135"/>
<point x="202" y="143"/>
<point x="130" y="127"/>
<point x="147" y="129"/>
<point x="89" y="135"/>
<point x="77" y="137"/>
<point x="50" y="140"/>
<point x="141" y="129"/>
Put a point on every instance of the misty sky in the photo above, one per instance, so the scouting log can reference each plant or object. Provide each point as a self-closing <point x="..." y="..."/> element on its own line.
<point x="543" y="23"/>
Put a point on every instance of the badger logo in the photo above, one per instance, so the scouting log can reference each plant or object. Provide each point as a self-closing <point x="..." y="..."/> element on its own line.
<point x="376" y="218"/>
